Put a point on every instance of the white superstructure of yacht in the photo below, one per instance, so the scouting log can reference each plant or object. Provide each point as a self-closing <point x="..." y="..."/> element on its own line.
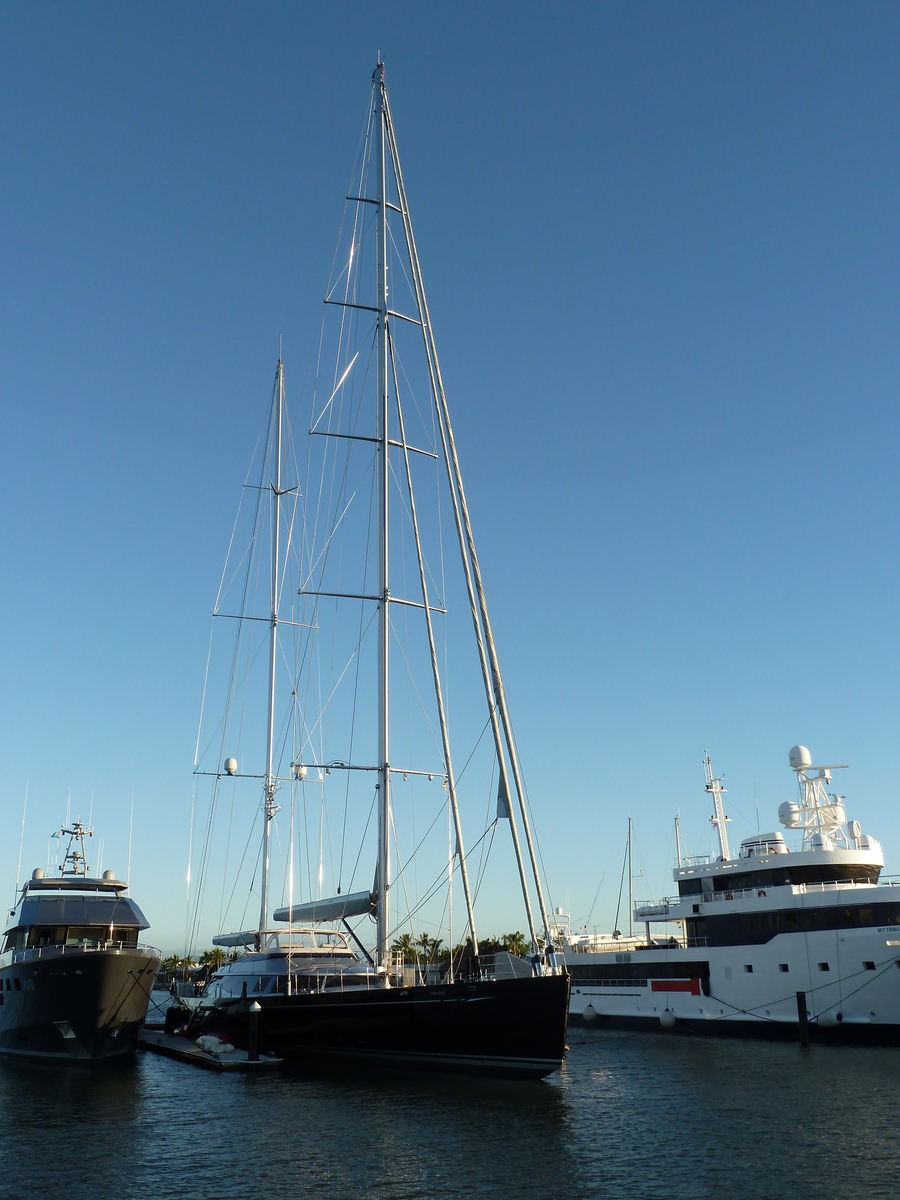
<point x="772" y="942"/>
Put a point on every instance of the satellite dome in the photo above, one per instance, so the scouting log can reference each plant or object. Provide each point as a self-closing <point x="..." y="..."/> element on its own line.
<point x="231" y="766"/>
<point x="109" y="874"/>
<point x="799" y="758"/>
<point x="790" y="815"/>
<point x="37" y="873"/>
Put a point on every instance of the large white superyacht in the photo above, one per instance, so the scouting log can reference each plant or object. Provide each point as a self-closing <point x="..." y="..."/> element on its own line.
<point x="773" y="942"/>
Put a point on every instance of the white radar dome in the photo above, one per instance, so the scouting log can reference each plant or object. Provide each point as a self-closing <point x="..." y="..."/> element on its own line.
<point x="230" y="766"/>
<point x="834" y="814"/>
<point x="300" y="771"/>
<point x="790" y="815"/>
<point x="109" y="874"/>
<point x="799" y="758"/>
<point x="37" y="873"/>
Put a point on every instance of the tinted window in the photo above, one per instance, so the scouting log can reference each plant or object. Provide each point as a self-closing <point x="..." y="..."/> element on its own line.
<point x="47" y="935"/>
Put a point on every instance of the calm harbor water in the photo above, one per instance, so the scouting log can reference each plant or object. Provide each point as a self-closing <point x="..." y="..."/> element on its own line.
<point x="637" y="1115"/>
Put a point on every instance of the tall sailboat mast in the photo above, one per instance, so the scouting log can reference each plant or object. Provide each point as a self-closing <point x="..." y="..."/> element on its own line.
<point x="269" y="794"/>
<point x="384" y="594"/>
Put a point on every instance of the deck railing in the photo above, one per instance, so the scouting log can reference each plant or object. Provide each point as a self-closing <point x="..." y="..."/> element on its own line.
<point x="29" y="953"/>
<point x="660" y="908"/>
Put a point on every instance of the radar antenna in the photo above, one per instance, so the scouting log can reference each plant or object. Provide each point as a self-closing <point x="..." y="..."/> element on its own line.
<point x="75" y="853"/>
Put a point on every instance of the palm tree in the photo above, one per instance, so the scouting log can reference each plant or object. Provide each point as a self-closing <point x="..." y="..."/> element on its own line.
<point x="170" y="966"/>
<point x="515" y="943"/>
<point x="406" y="945"/>
<point x="436" y="951"/>
<point x="213" y="958"/>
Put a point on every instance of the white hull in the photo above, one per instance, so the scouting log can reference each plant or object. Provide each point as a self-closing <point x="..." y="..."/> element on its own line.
<point x="850" y="977"/>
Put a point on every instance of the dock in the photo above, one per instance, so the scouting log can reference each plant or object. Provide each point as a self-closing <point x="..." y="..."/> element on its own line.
<point x="173" y="1045"/>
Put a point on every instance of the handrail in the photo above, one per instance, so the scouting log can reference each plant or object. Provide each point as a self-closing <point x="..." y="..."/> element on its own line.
<point x="29" y="953"/>
<point x="673" y="942"/>
<point x="661" y="907"/>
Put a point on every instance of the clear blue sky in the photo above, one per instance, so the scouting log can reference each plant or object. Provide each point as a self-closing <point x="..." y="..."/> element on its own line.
<point x="661" y="247"/>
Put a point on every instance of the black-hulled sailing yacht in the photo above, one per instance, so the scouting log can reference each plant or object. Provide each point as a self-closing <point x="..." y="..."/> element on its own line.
<point x="311" y="984"/>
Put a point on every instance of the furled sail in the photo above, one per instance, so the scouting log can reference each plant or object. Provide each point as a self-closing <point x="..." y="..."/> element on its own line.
<point x="333" y="908"/>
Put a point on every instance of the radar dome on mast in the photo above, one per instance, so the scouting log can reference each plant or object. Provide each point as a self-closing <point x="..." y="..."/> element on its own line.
<point x="800" y="758"/>
<point x="790" y="815"/>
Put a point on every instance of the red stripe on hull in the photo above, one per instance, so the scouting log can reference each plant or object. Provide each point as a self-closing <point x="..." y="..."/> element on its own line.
<point x="676" y="985"/>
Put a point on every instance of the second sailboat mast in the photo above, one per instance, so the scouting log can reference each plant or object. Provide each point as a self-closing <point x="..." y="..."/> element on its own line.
<point x="384" y="593"/>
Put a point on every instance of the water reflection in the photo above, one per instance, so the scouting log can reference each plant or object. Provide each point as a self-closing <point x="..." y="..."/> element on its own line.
<point x="644" y="1115"/>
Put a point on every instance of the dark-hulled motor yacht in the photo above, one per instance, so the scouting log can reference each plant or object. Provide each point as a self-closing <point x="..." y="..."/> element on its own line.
<point x="74" y="982"/>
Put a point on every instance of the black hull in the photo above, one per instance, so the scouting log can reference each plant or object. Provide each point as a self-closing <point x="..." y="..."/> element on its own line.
<point x="77" y="1007"/>
<point x="508" y="1027"/>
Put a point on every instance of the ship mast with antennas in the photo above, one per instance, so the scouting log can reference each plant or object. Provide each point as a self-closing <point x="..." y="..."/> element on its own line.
<point x="718" y="819"/>
<point x="75" y="852"/>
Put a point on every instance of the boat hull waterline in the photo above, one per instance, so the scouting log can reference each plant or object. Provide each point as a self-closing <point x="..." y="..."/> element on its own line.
<point x="513" y="1028"/>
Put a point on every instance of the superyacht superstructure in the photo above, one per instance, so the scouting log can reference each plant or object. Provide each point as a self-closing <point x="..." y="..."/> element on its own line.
<point x="770" y="942"/>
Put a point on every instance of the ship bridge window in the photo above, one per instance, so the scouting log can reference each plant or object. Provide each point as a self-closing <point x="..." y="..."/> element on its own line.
<point x="690" y="887"/>
<point x="80" y="935"/>
<point x="16" y="939"/>
<point x="47" y="935"/>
